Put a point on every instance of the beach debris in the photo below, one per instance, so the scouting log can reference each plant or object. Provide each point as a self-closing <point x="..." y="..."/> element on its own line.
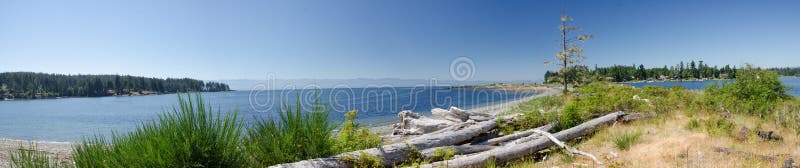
<point x="789" y="163"/>
<point x="768" y="135"/>
<point x="749" y="155"/>
<point x="570" y="149"/>
<point x="512" y="151"/>
<point x="466" y="139"/>
<point x="412" y="123"/>
<point x="743" y="134"/>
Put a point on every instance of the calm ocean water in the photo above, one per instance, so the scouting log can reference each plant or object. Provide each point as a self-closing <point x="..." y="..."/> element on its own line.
<point x="72" y="119"/>
<point x="792" y="82"/>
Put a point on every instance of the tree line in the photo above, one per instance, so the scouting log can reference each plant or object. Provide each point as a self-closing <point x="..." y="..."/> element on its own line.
<point x="43" y="85"/>
<point x="624" y="73"/>
<point x="795" y="71"/>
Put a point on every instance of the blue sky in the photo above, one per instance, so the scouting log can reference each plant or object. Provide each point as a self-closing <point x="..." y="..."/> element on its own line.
<point x="409" y="39"/>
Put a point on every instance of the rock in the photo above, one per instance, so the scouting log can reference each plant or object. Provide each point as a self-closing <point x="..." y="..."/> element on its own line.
<point x="788" y="163"/>
<point x="768" y="135"/>
<point x="743" y="134"/>
<point x="727" y="115"/>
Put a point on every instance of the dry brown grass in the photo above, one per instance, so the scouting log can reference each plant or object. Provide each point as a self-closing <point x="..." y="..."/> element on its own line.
<point x="665" y="142"/>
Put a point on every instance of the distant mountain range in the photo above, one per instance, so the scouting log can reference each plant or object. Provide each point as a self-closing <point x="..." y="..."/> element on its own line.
<point x="250" y="84"/>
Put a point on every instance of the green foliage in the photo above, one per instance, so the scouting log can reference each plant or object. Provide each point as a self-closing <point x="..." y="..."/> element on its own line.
<point x="755" y="92"/>
<point x="624" y="73"/>
<point x="713" y="126"/>
<point x="351" y="137"/>
<point x="414" y="157"/>
<point x="298" y="135"/>
<point x="570" y="117"/>
<point x="693" y="124"/>
<point x="444" y="154"/>
<point x="364" y="160"/>
<point x="190" y="136"/>
<point x="626" y="140"/>
<point x="41" y="85"/>
<point x="34" y="158"/>
<point x="534" y="113"/>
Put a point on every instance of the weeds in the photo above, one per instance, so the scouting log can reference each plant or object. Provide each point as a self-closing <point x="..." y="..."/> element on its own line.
<point x="298" y="135"/>
<point x="626" y="140"/>
<point x="34" y="158"/>
<point x="351" y="137"/>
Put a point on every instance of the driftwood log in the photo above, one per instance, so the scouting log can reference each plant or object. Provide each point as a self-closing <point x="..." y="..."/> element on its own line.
<point x="395" y="153"/>
<point x="516" y="135"/>
<point x="461" y="134"/>
<point x="570" y="149"/>
<point x="513" y="151"/>
<point x="749" y="155"/>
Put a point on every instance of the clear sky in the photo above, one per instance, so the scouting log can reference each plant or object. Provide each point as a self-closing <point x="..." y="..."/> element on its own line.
<point x="410" y="39"/>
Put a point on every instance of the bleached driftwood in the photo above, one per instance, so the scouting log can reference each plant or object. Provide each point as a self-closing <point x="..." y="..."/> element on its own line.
<point x="394" y="153"/>
<point x="513" y="151"/>
<point x="412" y="123"/>
<point x="570" y="149"/>
<point x="516" y="135"/>
<point x="745" y="154"/>
<point x="428" y="154"/>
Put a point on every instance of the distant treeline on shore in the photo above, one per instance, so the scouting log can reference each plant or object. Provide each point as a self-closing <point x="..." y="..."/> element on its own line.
<point x="624" y="73"/>
<point x="681" y="71"/>
<point x="794" y="71"/>
<point x="31" y="85"/>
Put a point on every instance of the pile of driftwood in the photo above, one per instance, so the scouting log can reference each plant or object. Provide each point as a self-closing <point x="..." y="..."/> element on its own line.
<point x="472" y="136"/>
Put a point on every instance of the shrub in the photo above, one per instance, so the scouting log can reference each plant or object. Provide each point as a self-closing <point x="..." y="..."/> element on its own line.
<point x="570" y="117"/>
<point x="351" y="137"/>
<point x="298" y="135"/>
<point x="754" y="92"/>
<point x="190" y="136"/>
<point x="693" y="124"/>
<point x="624" y="141"/>
<point x="532" y="113"/>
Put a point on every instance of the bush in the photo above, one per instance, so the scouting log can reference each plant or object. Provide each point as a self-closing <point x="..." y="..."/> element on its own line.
<point x="534" y="113"/>
<point x="298" y="135"/>
<point x="190" y="136"/>
<point x="570" y="117"/>
<point x="351" y="137"/>
<point x="626" y="140"/>
<point x="754" y="91"/>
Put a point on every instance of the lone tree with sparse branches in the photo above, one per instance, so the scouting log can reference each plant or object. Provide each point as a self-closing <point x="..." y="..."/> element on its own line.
<point x="571" y="52"/>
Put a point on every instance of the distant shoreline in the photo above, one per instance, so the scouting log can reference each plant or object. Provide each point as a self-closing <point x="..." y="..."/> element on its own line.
<point x="123" y="95"/>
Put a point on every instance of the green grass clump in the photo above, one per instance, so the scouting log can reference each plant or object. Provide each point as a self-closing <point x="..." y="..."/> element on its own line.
<point x="298" y="135"/>
<point x="626" y="140"/>
<point x="535" y="112"/>
<point x="364" y="160"/>
<point x="190" y="136"/>
<point x="34" y="158"/>
<point x="351" y="137"/>
<point x="693" y="124"/>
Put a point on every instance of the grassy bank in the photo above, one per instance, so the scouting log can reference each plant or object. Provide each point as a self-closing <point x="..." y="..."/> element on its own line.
<point x="194" y="135"/>
<point x="687" y="128"/>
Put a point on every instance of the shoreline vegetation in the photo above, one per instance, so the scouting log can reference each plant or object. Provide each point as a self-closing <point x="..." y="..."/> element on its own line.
<point x="683" y="71"/>
<point x="750" y="122"/>
<point x="31" y="85"/>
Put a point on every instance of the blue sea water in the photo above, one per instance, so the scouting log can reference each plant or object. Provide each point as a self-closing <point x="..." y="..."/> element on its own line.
<point x="792" y="82"/>
<point x="71" y="119"/>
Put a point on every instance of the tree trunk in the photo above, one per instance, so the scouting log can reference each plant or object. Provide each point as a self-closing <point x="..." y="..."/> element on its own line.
<point x="516" y="135"/>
